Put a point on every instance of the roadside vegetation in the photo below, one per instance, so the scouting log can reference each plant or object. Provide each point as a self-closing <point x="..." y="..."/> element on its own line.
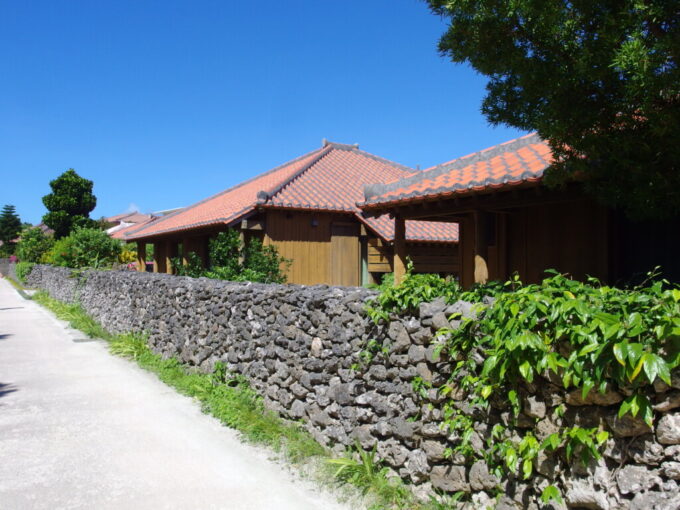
<point x="587" y="337"/>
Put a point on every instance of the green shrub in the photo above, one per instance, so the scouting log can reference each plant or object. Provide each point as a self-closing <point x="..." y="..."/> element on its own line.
<point x="33" y="245"/>
<point x="23" y="269"/>
<point x="230" y="260"/>
<point x="407" y="296"/>
<point x="85" y="247"/>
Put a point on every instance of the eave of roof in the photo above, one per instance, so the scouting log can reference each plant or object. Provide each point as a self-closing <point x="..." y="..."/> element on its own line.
<point x="414" y="188"/>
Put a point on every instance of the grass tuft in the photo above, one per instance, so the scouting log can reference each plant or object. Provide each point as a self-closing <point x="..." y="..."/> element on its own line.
<point x="362" y="469"/>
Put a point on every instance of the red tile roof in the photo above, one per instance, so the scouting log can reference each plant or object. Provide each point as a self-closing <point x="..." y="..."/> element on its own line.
<point x="423" y="231"/>
<point x="509" y="164"/>
<point x="328" y="179"/>
<point x="229" y="205"/>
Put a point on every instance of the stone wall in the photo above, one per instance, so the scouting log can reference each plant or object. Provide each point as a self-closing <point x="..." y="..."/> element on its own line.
<point x="299" y="347"/>
<point x="8" y="269"/>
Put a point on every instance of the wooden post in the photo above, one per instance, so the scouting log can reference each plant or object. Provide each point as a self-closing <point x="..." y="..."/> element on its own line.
<point x="399" y="250"/>
<point x="159" y="257"/>
<point x="141" y="256"/>
<point x="242" y="244"/>
<point x="186" y="248"/>
<point x="170" y="251"/>
<point x="201" y="245"/>
<point x="481" y="259"/>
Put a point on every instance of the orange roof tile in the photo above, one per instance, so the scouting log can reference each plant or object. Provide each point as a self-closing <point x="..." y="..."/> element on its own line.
<point x="509" y="164"/>
<point x="230" y="205"/>
<point x="416" y="231"/>
<point x="328" y="179"/>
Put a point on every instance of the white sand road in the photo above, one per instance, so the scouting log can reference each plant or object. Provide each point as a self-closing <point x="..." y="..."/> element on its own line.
<point x="80" y="428"/>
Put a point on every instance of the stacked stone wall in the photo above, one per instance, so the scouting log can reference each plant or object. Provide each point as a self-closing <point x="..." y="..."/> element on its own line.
<point x="299" y="348"/>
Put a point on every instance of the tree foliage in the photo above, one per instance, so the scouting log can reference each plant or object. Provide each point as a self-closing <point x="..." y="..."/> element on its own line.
<point x="597" y="79"/>
<point x="85" y="248"/>
<point x="69" y="204"/>
<point x="33" y="245"/>
<point x="10" y="226"/>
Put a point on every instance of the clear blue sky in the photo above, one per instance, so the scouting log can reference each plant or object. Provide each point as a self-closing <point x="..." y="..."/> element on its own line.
<point x="163" y="103"/>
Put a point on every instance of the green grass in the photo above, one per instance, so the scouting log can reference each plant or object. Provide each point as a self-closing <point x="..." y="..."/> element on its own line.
<point x="74" y="314"/>
<point x="230" y="399"/>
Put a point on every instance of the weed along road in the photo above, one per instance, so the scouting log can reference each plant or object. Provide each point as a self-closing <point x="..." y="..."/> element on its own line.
<point x="80" y="428"/>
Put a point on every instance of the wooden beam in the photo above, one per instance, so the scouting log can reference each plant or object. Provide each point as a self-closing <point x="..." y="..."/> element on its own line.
<point x="141" y="256"/>
<point x="459" y="205"/>
<point x="399" y="249"/>
<point x="252" y="225"/>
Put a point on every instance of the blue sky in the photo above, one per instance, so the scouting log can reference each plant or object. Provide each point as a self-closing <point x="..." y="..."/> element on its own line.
<point x="163" y="103"/>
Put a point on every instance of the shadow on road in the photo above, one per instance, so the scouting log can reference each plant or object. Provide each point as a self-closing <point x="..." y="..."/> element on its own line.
<point x="5" y="336"/>
<point x="7" y="388"/>
<point x="12" y="308"/>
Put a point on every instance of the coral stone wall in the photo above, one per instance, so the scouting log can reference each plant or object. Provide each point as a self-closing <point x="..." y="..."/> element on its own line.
<point x="299" y="347"/>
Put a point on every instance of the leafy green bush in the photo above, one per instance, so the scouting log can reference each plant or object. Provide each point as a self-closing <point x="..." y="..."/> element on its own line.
<point x="230" y="260"/>
<point x="85" y="247"/>
<point x="407" y="296"/>
<point x="589" y="336"/>
<point x="33" y="245"/>
<point x="23" y="269"/>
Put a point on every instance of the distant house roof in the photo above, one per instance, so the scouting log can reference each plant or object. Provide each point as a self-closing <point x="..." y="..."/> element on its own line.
<point x="129" y="217"/>
<point x="327" y="179"/>
<point x="509" y="164"/>
<point x="121" y="231"/>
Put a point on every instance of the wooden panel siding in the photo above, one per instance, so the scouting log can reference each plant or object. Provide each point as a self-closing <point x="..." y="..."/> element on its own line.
<point x="427" y="257"/>
<point x="379" y="256"/>
<point x="305" y="238"/>
<point x="571" y="238"/>
<point x="345" y="265"/>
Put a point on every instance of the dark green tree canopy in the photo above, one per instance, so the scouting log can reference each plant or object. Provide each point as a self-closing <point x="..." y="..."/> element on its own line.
<point x="69" y="204"/>
<point x="10" y="225"/>
<point x="597" y="79"/>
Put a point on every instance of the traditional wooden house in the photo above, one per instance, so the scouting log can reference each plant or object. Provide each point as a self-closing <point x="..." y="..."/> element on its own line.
<point x="307" y="209"/>
<point x="511" y="222"/>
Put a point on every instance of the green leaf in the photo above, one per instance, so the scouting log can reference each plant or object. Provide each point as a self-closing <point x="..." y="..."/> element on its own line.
<point x="656" y="366"/>
<point x="602" y="436"/>
<point x="486" y="391"/>
<point x="527" y="468"/>
<point x="511" y="458"/>
<point x="549" y="493"/>
<point x="552" y="442"/>
<point x="587" y="386"/>
<point x="621" y="352"/>
<point x="527" y="371"/>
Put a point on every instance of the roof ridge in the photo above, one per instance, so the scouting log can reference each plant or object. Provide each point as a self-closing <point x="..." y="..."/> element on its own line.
<point x="377" y="189"/>
<point x="228" y="190"/>
<point x="355" y="148"/>
<point x="265" y="195"/>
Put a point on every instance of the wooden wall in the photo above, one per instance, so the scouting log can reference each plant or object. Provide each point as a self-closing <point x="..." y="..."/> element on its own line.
<point x="571" y="237"/>
<point x="305" y="239"/>
<point x="426" y="257"/>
